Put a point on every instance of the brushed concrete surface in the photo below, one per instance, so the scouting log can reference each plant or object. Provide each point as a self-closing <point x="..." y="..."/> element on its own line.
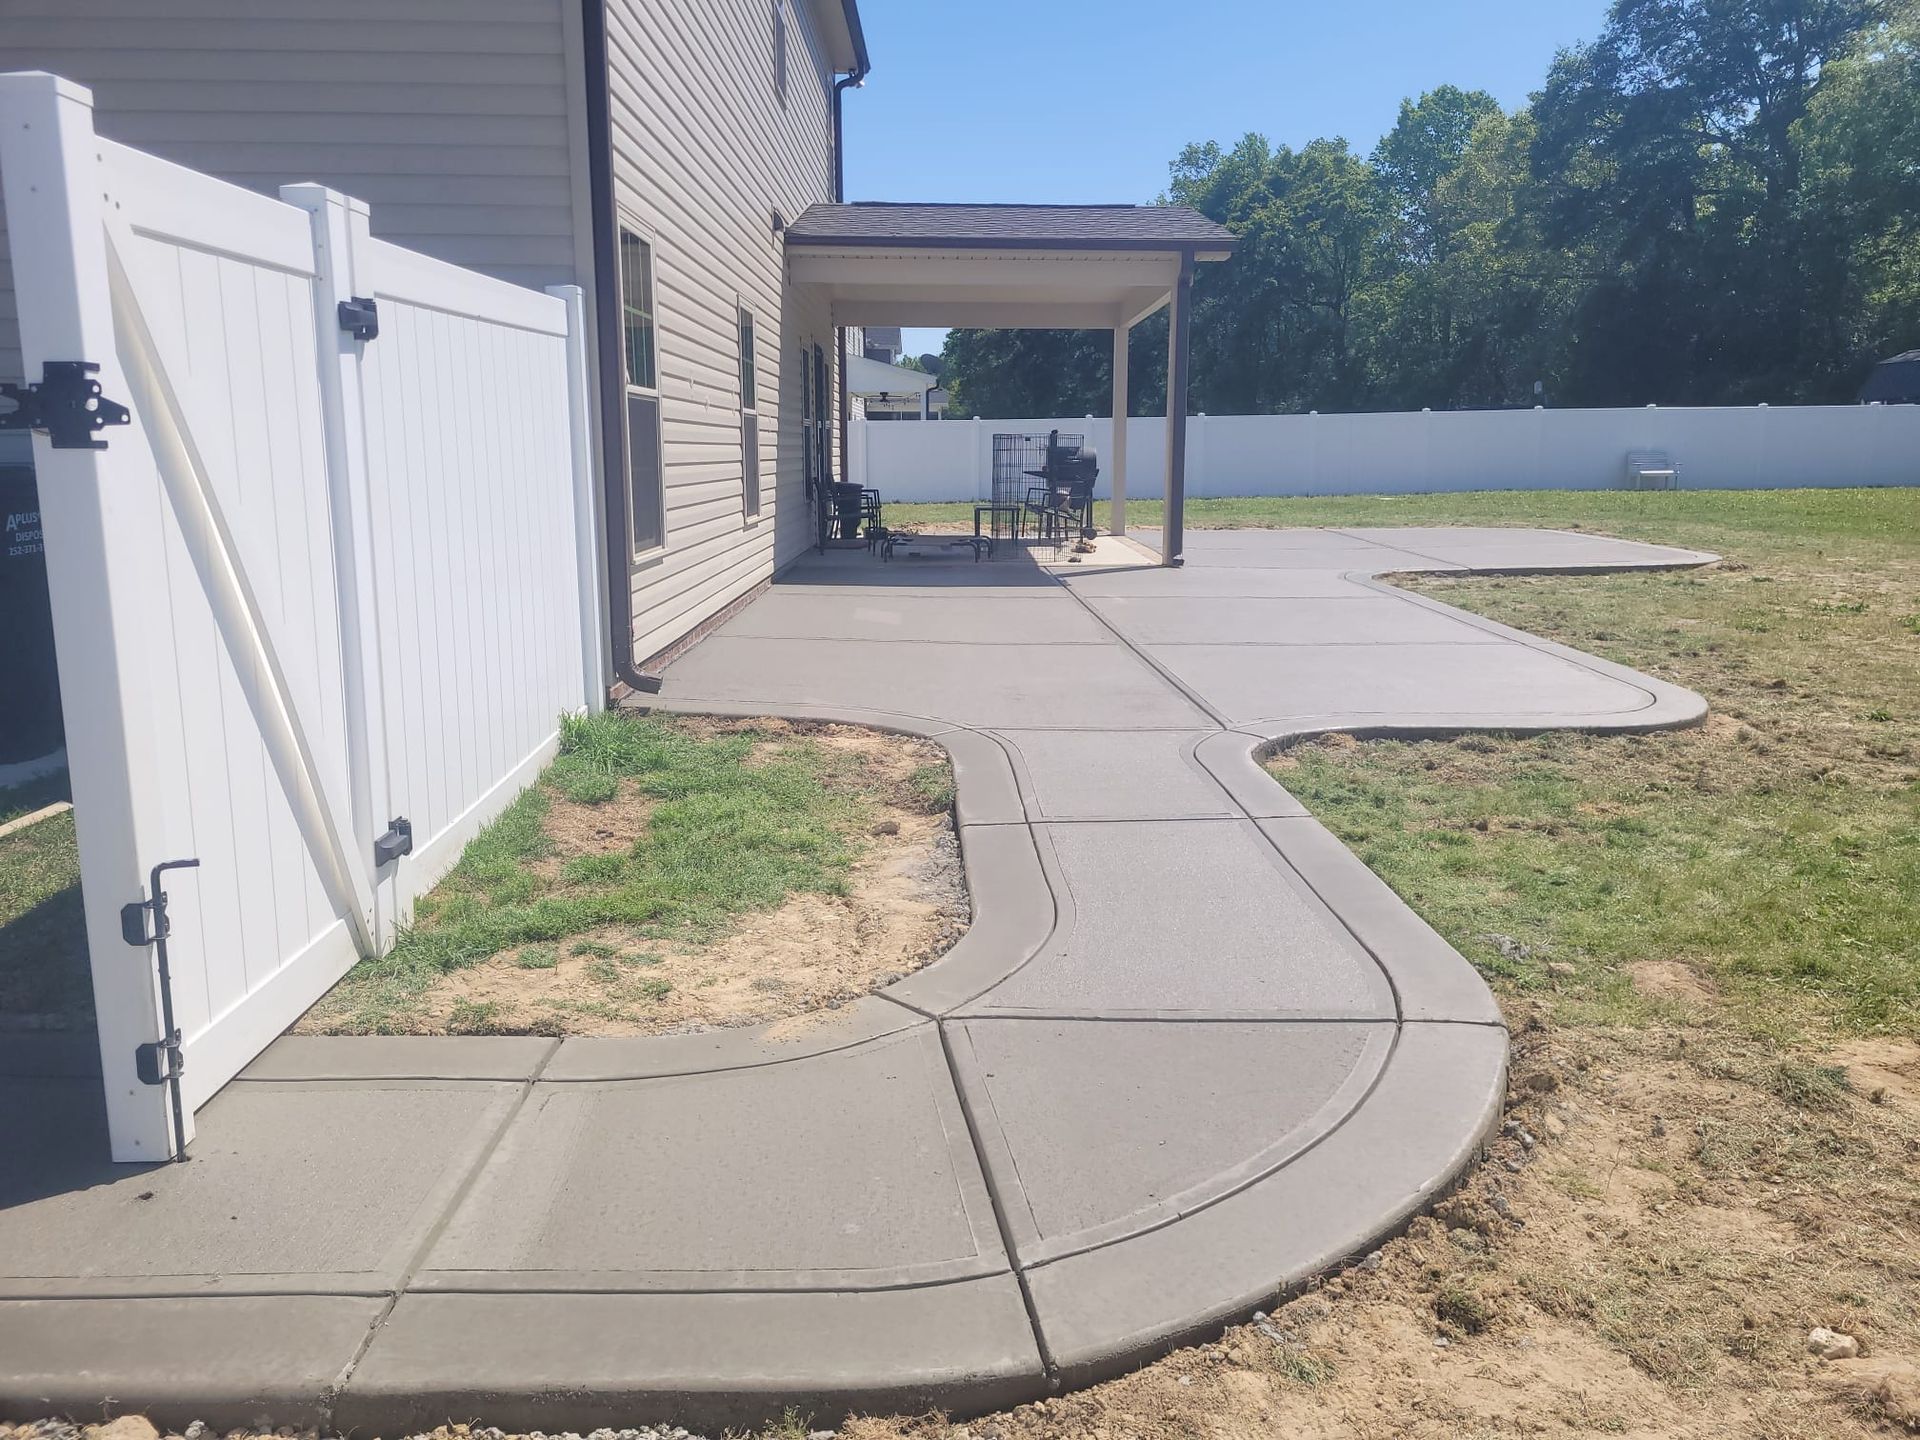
<point x="1190" y="1053"/>
<point x="1189" y="1111"/>
<point x="1200" y="916"/>
<point x="290" y="1187"/>
<point x="1115" y="775"/>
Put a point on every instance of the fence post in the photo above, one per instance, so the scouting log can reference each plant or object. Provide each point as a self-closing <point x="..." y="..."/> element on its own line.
<point x="982" y="462"/>
<point x="1197" y="455"/>
<point x="595" y="635"/>
<point x="340" y="234"/>
<point x="101" y="514"/>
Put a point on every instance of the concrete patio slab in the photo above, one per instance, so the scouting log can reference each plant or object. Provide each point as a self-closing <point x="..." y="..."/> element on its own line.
<point x="1096" y="1130"/>
<point x="1493" y="548"/>
<point x="1190" y="1054"/>
<point x="1219" y="582"/>
<point x="1403" y="683"/>
<point x="1194" y="917"/>
<point x="849" y="1170"/>
<point x="1362" y="618"/>
<point x="651" y="1057"/>
<point x="986" y="686"/>
<point x="1337" y="555"/>
<point x="1101" y="1310"/>
<point x="1015" y="866"/>
<point x="291" y="1187"/>
<point x="1116" y="775"/>
<point x="401" y="1057"/>
<point x="733" y="1360"/>
<point x="1041" y="617"/>
<point x="225" y="1360"/>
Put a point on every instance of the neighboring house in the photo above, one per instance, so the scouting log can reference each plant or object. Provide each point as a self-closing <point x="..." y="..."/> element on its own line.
<point x="909" y="405"/>
<point x="1894" y="381"/>
<point x="891" y="392"/>
<point x="882" y="343"/>
<point x="649" y="150"/>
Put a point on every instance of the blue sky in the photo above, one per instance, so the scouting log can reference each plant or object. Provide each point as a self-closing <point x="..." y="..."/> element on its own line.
<point x="1075" y="101"/>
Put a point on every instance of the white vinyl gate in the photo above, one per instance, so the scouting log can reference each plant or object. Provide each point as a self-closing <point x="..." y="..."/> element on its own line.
<point x="323" y="582"/>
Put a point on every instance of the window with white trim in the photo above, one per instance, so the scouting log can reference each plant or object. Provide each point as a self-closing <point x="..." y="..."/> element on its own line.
<point x="780" y="26"/>
<point x="646" y="481"/>
<point x="749" y="420"/>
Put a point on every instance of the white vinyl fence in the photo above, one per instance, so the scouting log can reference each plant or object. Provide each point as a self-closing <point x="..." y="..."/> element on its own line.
<point x="1724" y="448"/>
<point x="324" y="582"/>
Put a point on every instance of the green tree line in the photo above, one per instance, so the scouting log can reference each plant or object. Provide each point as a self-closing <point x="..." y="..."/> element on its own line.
<point x="1714" y="202"/>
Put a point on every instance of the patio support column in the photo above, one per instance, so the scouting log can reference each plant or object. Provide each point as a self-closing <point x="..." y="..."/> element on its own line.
<point x="1173" y="536"/>
<point x="1117" y="450"/>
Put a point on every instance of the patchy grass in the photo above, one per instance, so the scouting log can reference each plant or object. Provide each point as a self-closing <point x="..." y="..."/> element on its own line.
<point x="44" y="981"/>
<point x="598" y="900"/>
<point x="1761" y="867"/>
<point x="1719" y="520"/>
<point x="1704" y="943"/>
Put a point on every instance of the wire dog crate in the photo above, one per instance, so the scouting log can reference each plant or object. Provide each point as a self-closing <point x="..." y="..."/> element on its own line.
<point x="1019" y="464"/>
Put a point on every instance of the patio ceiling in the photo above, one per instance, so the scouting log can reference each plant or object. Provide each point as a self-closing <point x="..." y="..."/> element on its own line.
<point x="999" y="266"/>
<point x="1049" y="267"/>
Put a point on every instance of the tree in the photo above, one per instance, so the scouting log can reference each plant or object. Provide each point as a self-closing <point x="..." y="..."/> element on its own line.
<point x="1274" y="328"/>
<point x="1016" y="374"/>
<point x="1668" y="146"/>
<point x="1861" y="137"/>
<point x="1715" y="201"/>
<point x="1422" y="151"/>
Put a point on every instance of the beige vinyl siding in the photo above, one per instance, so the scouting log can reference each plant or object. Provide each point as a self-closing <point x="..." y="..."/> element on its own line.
<point x="703" y="154"/>
<point x="450" y="117"/>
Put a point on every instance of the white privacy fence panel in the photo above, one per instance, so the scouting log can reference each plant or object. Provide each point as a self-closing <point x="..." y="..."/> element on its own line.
<point x="468" y="441"/>
<point x="321" y="582"/>
<point x="1758" y="447"/>
<point x="232" y="322"/>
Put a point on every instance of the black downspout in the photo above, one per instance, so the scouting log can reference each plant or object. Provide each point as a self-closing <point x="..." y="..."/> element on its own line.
<point x="612" y="368"/>
<point x="852" y="78"/>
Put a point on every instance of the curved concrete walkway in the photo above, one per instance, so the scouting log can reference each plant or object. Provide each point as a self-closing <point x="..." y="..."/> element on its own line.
<point x="1191" y="1053"/>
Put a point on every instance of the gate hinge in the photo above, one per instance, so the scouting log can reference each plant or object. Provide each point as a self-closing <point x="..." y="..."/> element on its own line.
<point x="159" y="1061"/>
<point x="66" y="405"/>
<point x="134" y="927"/>
<point x="360" y="317"/>
<point x="396" y="842"/>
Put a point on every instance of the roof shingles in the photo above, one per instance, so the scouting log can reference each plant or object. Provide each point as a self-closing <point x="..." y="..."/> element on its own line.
<point x="1073" y="227"/>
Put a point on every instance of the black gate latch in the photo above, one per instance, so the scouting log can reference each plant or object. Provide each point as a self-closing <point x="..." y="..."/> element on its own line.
<point x="396" y="842"/>
<point x="66" y="406"/>
<point x="359" y="317"/>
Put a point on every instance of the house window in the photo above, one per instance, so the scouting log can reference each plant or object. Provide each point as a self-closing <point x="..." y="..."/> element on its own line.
<point x="646" y="493"/>
<point x="780" y="50"/>
<point x="749" y="420"/>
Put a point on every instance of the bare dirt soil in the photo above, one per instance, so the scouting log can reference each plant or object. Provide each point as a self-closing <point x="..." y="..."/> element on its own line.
<point x="1655" y="1234"/>
<point x="897" y="901"/>
<point x="904" y="906"/>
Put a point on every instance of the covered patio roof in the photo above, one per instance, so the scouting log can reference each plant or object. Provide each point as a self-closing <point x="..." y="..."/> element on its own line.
<point x="1051" y="267"/>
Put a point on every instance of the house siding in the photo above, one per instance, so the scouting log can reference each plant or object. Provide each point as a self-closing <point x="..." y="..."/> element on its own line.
<point x="450" y="117"/>
<point x="462" y="123"/>
<point x="703" y="153"/>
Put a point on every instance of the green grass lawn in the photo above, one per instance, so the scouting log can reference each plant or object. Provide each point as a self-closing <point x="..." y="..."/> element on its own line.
<point x="43" y="949"/>
<point x="1715" y="519"/>
<point x="645" y="829"/>
<point x="1769" y="860"/>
